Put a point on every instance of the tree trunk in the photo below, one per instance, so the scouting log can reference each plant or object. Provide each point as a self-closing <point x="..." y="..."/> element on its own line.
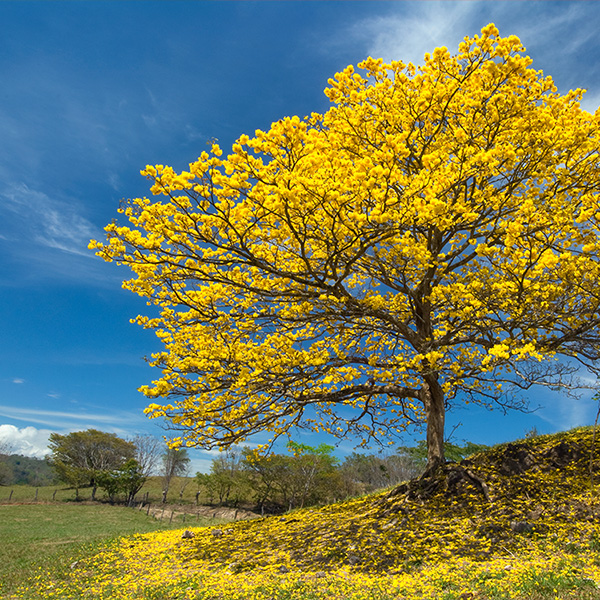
<point x="432" y="396"/>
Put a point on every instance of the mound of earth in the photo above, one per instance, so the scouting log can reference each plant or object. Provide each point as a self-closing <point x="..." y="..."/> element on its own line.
<point x="506" y="500"/>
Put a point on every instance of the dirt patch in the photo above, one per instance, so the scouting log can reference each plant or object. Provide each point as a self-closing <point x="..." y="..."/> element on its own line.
<point x="207" y="512"/>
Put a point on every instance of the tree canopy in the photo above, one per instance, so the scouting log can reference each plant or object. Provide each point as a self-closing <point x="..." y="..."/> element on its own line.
<point x="431" y="239"/>
<point x="79" y="457"/>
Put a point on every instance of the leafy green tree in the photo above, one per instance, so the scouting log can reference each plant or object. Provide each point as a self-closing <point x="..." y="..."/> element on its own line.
<point x="453" y="452"/>
<point x="266" y="472"/>
<point x="363" y="473"/>
<point x="128" y="479"/>
<point x="228" y="480"/>
<point x="79" y="457"/>
<point x="6" y="474"/>
<point x="305" y="476"/>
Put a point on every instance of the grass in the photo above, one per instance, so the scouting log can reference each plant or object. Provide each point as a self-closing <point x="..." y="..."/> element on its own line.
<point x="533" y="535"/>
<point x="52" y="537"/>
<point x="60" y="493"/>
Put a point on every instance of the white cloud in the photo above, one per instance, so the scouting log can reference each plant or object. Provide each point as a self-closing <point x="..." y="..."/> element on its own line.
<point x="18" y="380"/>
<point x="27" y="441"/>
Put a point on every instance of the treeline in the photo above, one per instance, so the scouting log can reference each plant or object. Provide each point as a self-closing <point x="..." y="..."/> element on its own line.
<point x="302" y="476"/>
<point x="25" y="470"/>
<point x="306" y="475"/>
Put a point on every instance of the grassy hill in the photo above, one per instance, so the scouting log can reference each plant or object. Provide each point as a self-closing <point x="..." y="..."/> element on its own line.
<point x="520" y="521"/>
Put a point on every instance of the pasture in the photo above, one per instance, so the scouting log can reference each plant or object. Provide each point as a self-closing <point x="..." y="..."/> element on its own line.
<point x="42" y="538"/>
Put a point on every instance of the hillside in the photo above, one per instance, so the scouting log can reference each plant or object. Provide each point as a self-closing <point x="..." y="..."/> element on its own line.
<point x="518" y="521"/>
<point x="27" y="470"/>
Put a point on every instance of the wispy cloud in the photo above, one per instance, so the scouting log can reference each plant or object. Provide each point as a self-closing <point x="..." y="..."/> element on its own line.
<point x="565" y="412"/>
<point x="414" y="29"/>
<point x="46" y="221"/>
<point x="63" y="419"/>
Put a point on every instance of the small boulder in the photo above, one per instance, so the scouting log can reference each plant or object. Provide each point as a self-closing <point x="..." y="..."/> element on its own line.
<point x="187" y="534"/>
<point x="521" y="526"/>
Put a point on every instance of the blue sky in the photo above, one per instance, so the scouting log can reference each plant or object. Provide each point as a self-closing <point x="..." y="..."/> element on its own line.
<point x="93" y="91"/>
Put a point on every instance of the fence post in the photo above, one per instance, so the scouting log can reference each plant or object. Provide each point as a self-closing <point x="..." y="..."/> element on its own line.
<point x="172" y="513"/>
<point x="148" y="510"/>
<point x="10" y="497"/>
<point x="36" y="494"/>
<point x="54" y="495"/>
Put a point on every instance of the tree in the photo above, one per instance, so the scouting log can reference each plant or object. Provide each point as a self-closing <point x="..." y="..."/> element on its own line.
<point x="175" y="462"/>
<point x="147" y="452"/>
<point x="80" y="456"/>
<point x="227" y="480"/>
<point x="128" y="478"/>
<point x="306" y="476"/>
<point x="362" y="473"/>
<point x="430" y="240"/>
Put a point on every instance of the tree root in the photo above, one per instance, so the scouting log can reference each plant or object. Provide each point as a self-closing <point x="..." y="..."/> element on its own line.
<point x="449" y="479"/>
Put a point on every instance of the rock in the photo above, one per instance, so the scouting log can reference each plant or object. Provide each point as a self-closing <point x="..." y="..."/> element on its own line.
<point x="217" y="533"/>
<point x="353" y="559"/>
<point x="516" y="460"/>
<point x="187" y="534"/>
<point x="536" y="513"/>
<point x="283" y="569"/>
<point x="521" y="526"/>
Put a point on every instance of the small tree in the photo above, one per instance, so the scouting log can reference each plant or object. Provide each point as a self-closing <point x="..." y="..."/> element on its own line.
<point x="128" y="478"/>
<point x="80" y="456"/>
<point x="363" y="473"/>
<point x="227" y="481"/>
<point x="175" y="462"/>
<point x="307" y="475"/>
<point x="432" y="239"/>
<point x="147" y="452"/>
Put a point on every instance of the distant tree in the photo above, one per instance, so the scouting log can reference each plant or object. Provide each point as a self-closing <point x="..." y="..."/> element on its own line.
<point x="175" y="463"/>
<point x="267" y="472"/>
<point x="80" y="456"/>
<point x="305" y="476"/>
<point x="5" y="470"/>
<point x="228" y="480"/>
<point x="453" y="452"/>
<point x="29" y="470"/>
<point x="147" y="452"/>
<point x="532" y="433"/>
<point x="363" y="473"/>
<point x="312" y="474"/>
<point x="128" y="479"/>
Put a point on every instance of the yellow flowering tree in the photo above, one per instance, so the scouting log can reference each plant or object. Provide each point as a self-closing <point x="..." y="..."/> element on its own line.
<point x="432" y="238"/>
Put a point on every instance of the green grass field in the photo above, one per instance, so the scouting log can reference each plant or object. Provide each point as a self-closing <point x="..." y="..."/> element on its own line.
<point x="61" y="493"/>
<point x="52" y="537"/>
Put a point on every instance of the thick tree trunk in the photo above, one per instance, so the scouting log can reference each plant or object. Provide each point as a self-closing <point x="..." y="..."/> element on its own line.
<point x="435" y="411"/>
